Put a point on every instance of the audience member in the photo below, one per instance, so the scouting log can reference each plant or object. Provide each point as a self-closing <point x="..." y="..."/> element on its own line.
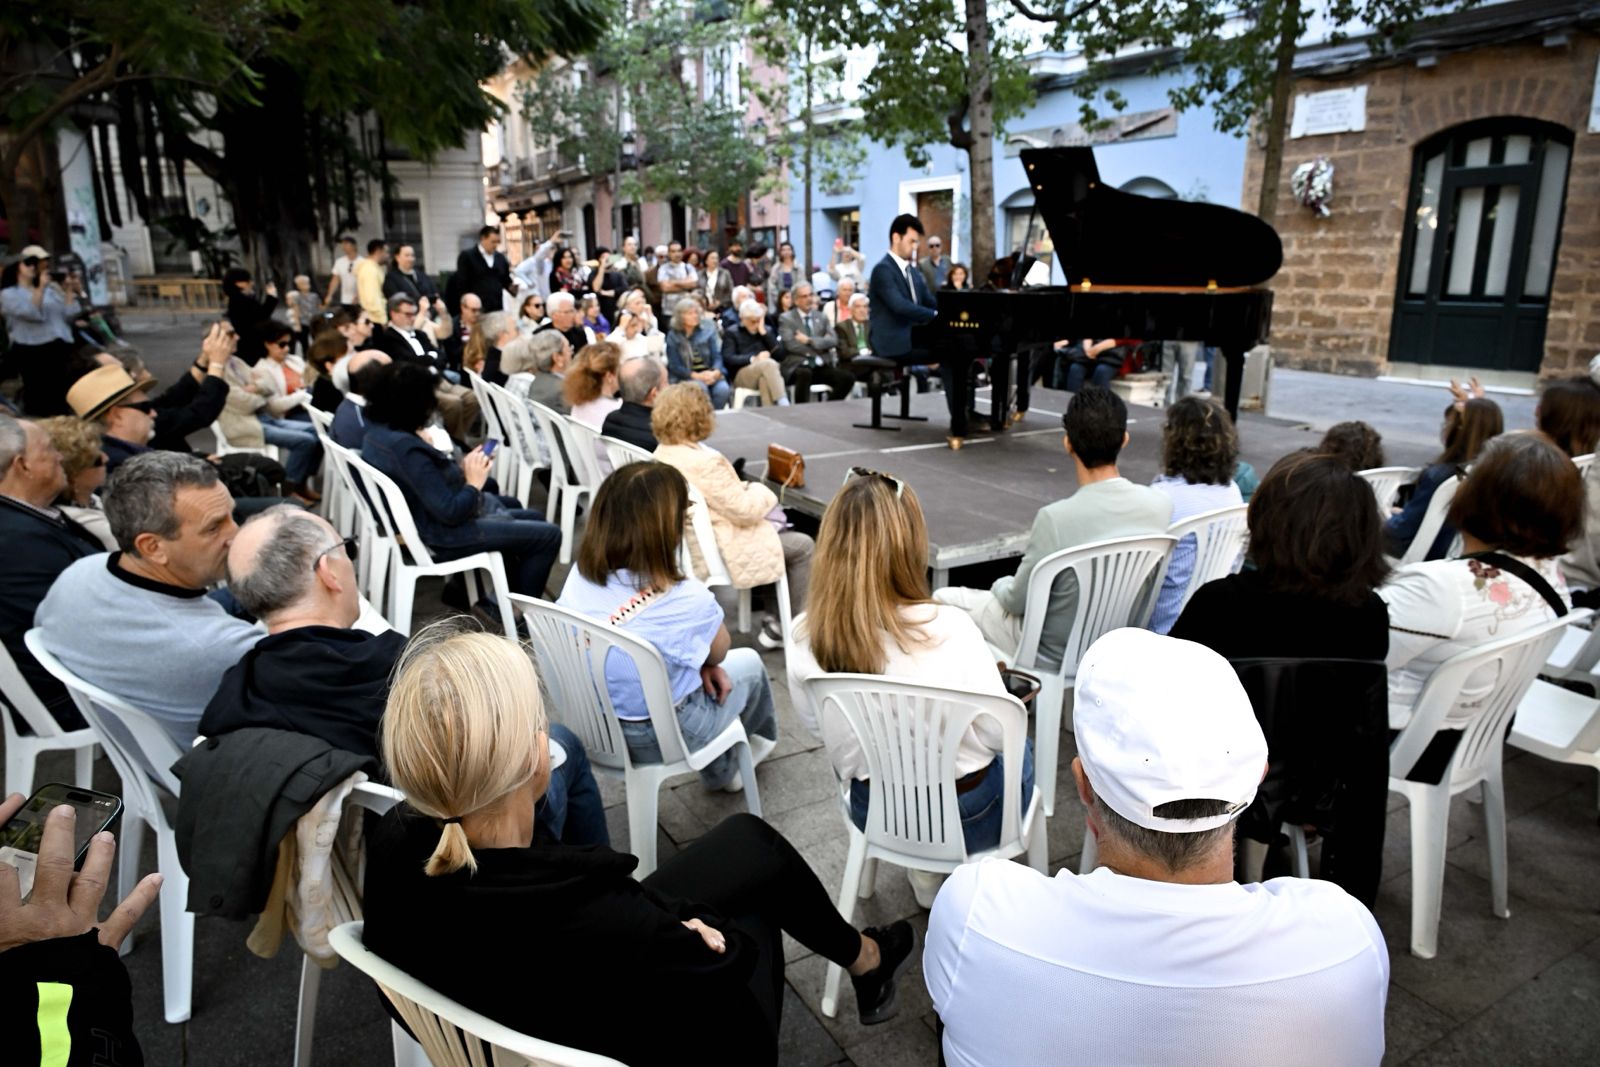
<point x="1106" y="505"/>
<point x="137" y="622"/>
<point x="715" y="283"/>
<point x="934" y="267"/>
<point x="356" y="329"/>
<point x="1569" y="414"/>
<point x="785" y="274"/>
<point x="847" y="266"/>
<point x="957" y="278"/>
<point x="855" y="333"/>
<point x="810" y="349"/>
<point x="540" y="366"/>
<point x="635" y="332"/>
<point x="1093" y="363"/>
<point x="454" y="345"/>
<point x="370" y="272"/>
<point x="1518" y="511"/>
<point x="564" y="320"/>
<point x="39" y="327"/>
<point x="454" y="516"/>
<point x="342" y="281"/>
<point x="1199" y="449"/>
<point x="738" y="270"/>
<point x="282" y="392"/>
<point x="751" y="353"/>
<point x="404" y="342"/>
<point x="838" y="309"/>
<point x="530" y="313"/>
<point x="606" y="285"/>
<point x="304" y="308"/>
<point x="248" y="313"/>
<point x="482" y="271"/>
<point x="465" y="738"/>
<point x="533" y="273"/>
<point x="1316" y="561"/>
<point x="641" y="381"/>
<point x="407" y="276"/>
<point x="83" y="458"/>
<point x="1468" y="426"/>
<point x="627" y="574"/>
<point x="728" y="317"/>
<point x="752" y="533"/>
<point x="676" y="279"/>
<point x="1158" y="943"/>
<point x="590" y="388"/>
<point x="869" y="613"/>
<point x="40" y="542"/>
<point x="563" y="277"/>
<point x="349" y="421"/>
<point x="775" y="312"/>
<point x="694" y="354"/>
<point x="321" y="357"/>
<point x="1357" y="443"/>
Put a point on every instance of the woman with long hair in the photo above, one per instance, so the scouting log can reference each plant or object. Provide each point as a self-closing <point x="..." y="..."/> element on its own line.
<point x="590" y="385"/>
<point x="564" y="273"/>
<point x="869" y="612"/>
<point x="463" y="889"/>
<point x="1199" y="450"/>
<point x="1469" y="424"/>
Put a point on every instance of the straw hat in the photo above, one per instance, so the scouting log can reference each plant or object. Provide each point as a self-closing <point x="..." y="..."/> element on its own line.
<point x="101" y="389"/>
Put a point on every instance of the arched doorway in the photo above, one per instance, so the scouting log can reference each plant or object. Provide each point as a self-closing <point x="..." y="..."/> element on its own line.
<point x="1479" y="253"/>
<point x="1154" y="188"/>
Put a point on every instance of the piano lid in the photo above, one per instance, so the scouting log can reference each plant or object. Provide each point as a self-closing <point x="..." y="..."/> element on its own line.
<point x="1115" y="238"/>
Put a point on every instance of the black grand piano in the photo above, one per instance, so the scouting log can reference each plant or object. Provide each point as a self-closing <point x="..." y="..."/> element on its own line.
<point x="1158" y="270"/>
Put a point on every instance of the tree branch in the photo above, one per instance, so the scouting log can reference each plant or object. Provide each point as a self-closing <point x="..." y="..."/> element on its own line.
<point x="1036" y="15"/>
<point x="102" y="76"/>
<point x="960" y="136"/>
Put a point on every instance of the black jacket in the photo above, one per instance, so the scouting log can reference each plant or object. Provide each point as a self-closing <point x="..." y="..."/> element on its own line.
<point x="317" y="680"/>
<point x="473" y="275"/>
<point x="37" y="549"/>
<point x="607" y="940"/>
<point x="98" y="1004"/>
<point x="630" y="423"/>
<point x="390" y="340"/>
<point x="249" y="316"/>
<point x="186" y="406"/>
<point x="241" y="793"/>
<point x="416" y="285"/>
<point x="740" y="346"/>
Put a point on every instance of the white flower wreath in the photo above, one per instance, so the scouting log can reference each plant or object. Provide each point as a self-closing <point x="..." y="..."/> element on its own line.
<point x="1312" y="184"/>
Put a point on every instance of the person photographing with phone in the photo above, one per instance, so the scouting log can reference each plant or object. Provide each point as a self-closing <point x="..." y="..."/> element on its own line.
<point x="39" y="321"/>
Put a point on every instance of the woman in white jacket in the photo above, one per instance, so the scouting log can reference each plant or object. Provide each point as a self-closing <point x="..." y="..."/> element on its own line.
<point x="281" y="389"/>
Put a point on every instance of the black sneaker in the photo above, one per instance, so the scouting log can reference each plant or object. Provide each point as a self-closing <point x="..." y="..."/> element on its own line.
<point x="875" y="989"/>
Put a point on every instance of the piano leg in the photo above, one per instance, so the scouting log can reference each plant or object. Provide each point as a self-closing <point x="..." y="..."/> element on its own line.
<point x="1233" y="369"/>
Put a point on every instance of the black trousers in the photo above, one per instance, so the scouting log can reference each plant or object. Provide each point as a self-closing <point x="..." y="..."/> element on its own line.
<point x="802" y="375"/>
<point x="45" y="377"/>
<point x="746" y="870"/>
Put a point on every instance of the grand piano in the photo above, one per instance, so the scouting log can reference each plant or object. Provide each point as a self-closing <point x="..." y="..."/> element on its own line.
<point x="1158" y="270"/>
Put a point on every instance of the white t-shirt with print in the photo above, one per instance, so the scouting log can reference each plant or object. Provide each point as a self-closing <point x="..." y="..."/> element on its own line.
<point x="344" y="268"/>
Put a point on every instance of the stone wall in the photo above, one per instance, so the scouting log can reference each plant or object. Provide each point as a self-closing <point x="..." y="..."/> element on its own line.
<point x="1335" y="294"/>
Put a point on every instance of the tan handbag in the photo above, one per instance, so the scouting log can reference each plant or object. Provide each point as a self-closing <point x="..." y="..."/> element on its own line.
<point x="786" y="467"/>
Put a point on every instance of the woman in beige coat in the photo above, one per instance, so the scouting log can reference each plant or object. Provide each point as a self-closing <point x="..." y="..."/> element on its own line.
<point x="745" y="516"/>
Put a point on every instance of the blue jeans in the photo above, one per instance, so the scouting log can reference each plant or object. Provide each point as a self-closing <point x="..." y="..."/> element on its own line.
<point x="299" y="442"/>
<point x="528" y="543"/>
<point x="702" y="718"/>
<point x="980" y="807"/>
<point x="718" y="391"/>
<point x="571" y="810"/>
<point x="1099" y="373"/>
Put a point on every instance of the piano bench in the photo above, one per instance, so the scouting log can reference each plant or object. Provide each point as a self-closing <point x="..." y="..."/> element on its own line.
<point x="894" y="371"/>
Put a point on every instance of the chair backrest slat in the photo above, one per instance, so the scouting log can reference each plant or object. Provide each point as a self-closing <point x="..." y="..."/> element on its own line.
<point x="1432" y="520"/>
<point x="17" y="694"/>
<point x="586" y="450"/>
<point x="1219" y="540"/>
<point x="552" y="426"/>
<point x="705" y="539"/>
<point x="389" y="508"/>
<point x="1118" y="580"/>
<point x="621" y="453"/>
<point x="1386" y="483"/>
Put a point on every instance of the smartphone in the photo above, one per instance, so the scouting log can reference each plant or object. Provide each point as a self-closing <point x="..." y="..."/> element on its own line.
<point x="838" y="244"/>
<point x="489" y="446"/>
<point x="20" y="838"/>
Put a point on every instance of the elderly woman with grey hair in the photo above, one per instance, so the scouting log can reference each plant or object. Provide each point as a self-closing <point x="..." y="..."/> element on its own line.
<point x="535" y="367"/>
<point x="694" y="352"/>
<point x="752" y="354"/>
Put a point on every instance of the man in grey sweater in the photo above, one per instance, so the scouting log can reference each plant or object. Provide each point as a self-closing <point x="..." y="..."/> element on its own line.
<point x="137" y="623"/>
<point x="1106" y="505"/>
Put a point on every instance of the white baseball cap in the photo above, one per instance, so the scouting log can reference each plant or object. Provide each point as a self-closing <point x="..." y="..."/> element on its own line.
<point x="1157" y="720"/>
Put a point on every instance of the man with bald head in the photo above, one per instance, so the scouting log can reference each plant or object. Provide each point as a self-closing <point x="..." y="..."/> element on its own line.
<point x="639" y="382"/>
<point x="349" y="424"/>
<point x="315" y="674"/>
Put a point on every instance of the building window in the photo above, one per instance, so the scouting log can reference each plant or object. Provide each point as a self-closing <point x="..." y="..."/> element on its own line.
<point x="847" y="227"/>
<point x="402" y="225"/>
<point x="1479" y="253"/>
<point x="1034" y="240"/>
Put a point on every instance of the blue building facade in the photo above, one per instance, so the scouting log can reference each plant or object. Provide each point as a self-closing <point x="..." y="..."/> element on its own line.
<point x="1148" y="149"/>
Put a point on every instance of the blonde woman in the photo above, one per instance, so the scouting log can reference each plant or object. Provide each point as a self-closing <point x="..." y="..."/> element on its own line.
<point x="562" y="943"/>
<point x="750" y="527"/>
<point x="870" y="613"/>
<point x="83" y="458"/>
<point x="590" y="388"/>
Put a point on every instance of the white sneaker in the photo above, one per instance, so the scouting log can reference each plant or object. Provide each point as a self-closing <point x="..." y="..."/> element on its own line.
<point x="760" y="748"/>
<point x="735" y="784"/>
<point x="925" y="885"/>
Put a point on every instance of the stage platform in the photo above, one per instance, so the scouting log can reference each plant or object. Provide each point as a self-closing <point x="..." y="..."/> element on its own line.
<point x="980" y="501"/>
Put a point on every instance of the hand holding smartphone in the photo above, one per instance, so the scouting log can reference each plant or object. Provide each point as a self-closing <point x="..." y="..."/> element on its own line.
<point x="489" y="446"/>
<point x="23" y="835"/>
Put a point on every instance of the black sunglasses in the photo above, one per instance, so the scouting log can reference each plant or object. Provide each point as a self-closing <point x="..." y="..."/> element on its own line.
<point x="146" y="406"/>
<point x="350" y="546"/>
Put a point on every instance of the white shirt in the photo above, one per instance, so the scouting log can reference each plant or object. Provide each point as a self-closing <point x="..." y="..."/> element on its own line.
<point x="905" y="272"/>
<point x="344" y="268"/>
<point x="1107" y="969"/>
<point x="592" y="413"/>
<point x="952" y="653"/>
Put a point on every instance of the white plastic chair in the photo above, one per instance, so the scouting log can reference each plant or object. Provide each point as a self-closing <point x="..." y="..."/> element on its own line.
<point x="1219" y="540"/>
<point x="1584" y="462"/>
<point x="224" y="448"/>
<point x="143" y="753"/>
<point x="409" y="558"/>
<point x="621" y="453"/>
<point x="502" y="460"/>
<point x="1501" y="673"/>
<point x="527" y="449"/>
<point x="1559" y="725"/>
<point x="573" y="478"/>
<point x="587" y="441"/>
<point x="22" y="750"/>
<point x="375" y="537"/>
<point x="1432" y="520"/>
<point x="741" y="397"/>
<point x="367" y="796"/>
<point x="910" y="735"/>
<point x="1575" y="657"/>
<point x="337" y="506"/>
<point x="451" y="1035"/>
<point x="1118" y="581"/>
<point x="572" y="650"/>
<point x="717" y="573"/>
<point x="1386" y="483"/>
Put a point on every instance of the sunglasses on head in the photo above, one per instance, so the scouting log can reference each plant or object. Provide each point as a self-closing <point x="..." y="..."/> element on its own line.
<point x="350" y="546"/>
<point x="867" y="472"/>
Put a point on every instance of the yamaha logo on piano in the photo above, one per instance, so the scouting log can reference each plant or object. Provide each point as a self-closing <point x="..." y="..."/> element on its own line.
<point x="963" y="321"/>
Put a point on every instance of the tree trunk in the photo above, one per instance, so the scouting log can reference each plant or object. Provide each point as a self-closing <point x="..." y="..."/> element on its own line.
<point x="980" y="143"/>
<point x="616" y="183"/>
<point x="1278" y="111"/>
<point x="808" y="146"/>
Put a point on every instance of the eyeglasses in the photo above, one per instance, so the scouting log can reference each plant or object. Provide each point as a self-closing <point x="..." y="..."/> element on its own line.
<point x="146" y="406"/>
<point x="867" y="472"/>
<point x="282" y="342"/>
<point x="350" y="546"/>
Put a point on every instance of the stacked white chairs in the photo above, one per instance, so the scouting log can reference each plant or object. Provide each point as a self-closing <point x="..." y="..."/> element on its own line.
<point x="571" y="478"/>
<point x="1432" y="521"/>
<point x="621" y="453"/>
<point x="1559" y="725"/>
<point x="705" y="538"/>
<point x="910" y="735"/>
<point x="1476" y="693"/>
<point x="143" y="753"/>
<point x="407" y="559"/>
<point x="451" y="1035"/>
<point x="1386" y="484"/>
<point x="571" y="649"/>
<point x="17" y="698"/>
<point x="1219" y="540"/>
<point x="1118" y="581"/>
<point x="338" y="506"/>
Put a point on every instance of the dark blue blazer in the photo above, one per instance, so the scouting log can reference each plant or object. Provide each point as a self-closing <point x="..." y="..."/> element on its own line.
<point x="37" y="550"/>
<point x="349" y="424"/>
<point x="895" y="308"/>
<point x="443" y="505"/>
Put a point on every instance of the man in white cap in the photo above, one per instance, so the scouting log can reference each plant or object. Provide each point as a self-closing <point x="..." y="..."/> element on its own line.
<point x="1157" y="956"/>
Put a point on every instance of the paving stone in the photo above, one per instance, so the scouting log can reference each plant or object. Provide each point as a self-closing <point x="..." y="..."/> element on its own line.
<point x="802" y="1040"/>
<point x="1553" y="855"/>
<point x="807" y="977"/>
<point x="1410" y="1024"/>
<point x="1550" y="1019"/>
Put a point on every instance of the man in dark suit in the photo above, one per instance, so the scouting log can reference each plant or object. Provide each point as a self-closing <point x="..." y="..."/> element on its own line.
<point x="483" y="270"/>
<point x="40" y="543"/>
<point x="639" y="382"/>
<point x="404" y="343"/>
<point x="900" y="299"/>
